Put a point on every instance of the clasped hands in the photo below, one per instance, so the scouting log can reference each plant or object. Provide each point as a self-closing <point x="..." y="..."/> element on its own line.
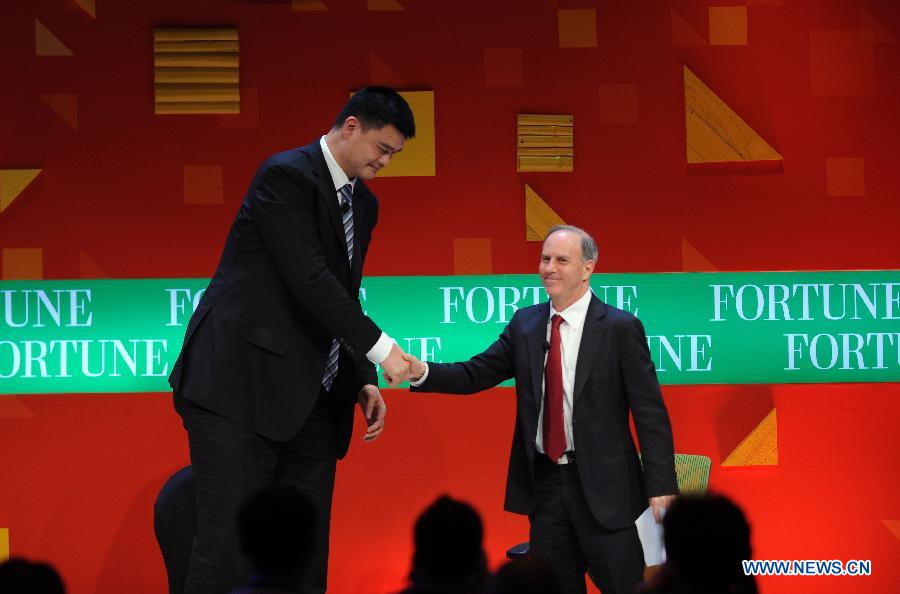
<point x="400" y="367"/>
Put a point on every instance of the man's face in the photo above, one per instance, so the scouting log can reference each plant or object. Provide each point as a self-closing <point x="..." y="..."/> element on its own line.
<point x="562" y="270"/>
<point x="370" y="150"/>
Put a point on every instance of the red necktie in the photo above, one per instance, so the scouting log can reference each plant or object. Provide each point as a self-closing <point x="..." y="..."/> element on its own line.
<point x="554" y="422"/>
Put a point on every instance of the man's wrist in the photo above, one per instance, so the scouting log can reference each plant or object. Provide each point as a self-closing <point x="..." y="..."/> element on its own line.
<point x="381" y="349"/>
<point x="415" y="383"/>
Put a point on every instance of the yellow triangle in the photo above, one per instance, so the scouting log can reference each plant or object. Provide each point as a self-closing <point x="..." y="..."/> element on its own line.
<point x="46" y="43"/>
<point x="715" y="134"/>
<point x="12" y="182"/>
<point x="760" y="447"/>
<point x="539" y="217"/>
<point x="308" y="6"/>
<point x="384" y="5"/>
<point x="89" y="7"/>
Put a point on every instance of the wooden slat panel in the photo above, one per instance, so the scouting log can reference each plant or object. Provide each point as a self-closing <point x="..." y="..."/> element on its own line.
<point x="196" y="75"/>
<point x="206" y="93"/>
<point x="546" y="164"/>
<point x="561" y="131"/>
<point x="196" y="46"/>
<point x="546" y="152"/>
<point x="178" y="34"/>
<point x="199" y="60"/>
<point x="544" y="141"/>
<point x="529" y="119"/>
<point x="198" y="108"/>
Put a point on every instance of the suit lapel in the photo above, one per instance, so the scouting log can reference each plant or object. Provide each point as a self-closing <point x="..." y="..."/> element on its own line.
<point x="591" y="337"/>
<point x="328" y="194"/>
<point x="536" y="338"/>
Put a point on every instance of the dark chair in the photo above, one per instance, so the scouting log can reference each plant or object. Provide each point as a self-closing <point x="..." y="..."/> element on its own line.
<point x="175" y="522"/>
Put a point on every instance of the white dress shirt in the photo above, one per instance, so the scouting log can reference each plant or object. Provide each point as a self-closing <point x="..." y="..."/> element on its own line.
<point x="382" y="348"/>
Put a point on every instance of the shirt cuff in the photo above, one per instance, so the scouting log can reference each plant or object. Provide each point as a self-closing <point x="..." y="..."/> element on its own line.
<point x="378" y="353"/>
<point x="421" y="380"/>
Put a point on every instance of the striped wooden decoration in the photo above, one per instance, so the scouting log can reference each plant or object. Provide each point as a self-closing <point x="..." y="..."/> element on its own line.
<point x="544" y="143"/>
<point x="196" y="71"/>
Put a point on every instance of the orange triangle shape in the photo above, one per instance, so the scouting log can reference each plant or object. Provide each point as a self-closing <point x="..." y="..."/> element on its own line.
<point x="389" y="5"/>
<point x="873" y="28"/>
<point x="308" y="6"/>
<point x="46" y="43"/>
<point x="682" y="33"/>
<point x="65" y="106"/>
<point x="13" y="182"/>
<point x="893" y="526"/>
<point x="90" y="268"/>
<point x="13" y="408"/>
<point x="692" y="260"/>
<point x="382" y="73"/>
<point x="539" y="217"/>
<point x="88" y="6"/>
<point x="715" y="133"/>
<point x="760" y="447"/>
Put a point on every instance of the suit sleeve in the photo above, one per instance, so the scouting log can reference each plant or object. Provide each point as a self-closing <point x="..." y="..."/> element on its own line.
<point x="649" y="411"/>
<point x="283" y="209"/>
<point x="481" y="372"/>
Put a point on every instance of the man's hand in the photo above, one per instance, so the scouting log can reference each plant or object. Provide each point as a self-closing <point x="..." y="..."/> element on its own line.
<point x="396" y="368"/>
<point x="416" y="367"/>
<point x="374" y="409"/>
<point x="659" y="504"/>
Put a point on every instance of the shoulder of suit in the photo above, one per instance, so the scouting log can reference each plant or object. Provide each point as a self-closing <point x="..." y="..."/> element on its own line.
<point x="303" y="159"/>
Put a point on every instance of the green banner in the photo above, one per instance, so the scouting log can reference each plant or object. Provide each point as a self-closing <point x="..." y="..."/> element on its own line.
<point x="702" y="328"/>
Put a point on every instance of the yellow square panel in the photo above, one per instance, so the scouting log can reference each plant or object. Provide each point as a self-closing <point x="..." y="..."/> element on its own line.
<point x="4" y="544"/>
<point x="418" y="155"/>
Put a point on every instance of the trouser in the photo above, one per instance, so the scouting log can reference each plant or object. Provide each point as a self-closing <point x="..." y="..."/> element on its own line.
<point x="230" y="462"/>
<point x="566" y="536"/>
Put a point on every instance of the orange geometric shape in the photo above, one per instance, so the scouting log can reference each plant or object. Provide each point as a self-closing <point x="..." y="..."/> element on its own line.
<point x="308" y="6"/>
<point x="715" y="133"/>
<point x="249" y="116"/>
<point x="577" y="27"/>
<point x="472" y="256"/>
<point x="46" y="43"/>
<point x="760" y="447"/>
<point x="88" y="6"/>
<point x="502" y="67"/>
<point x="683" y="34"/>
<point x="418" y="155"/>
<point x="383" y="73"/>
<point x="203" y="184"/>
<point x="871" y="29"/>
<point x="728" y="25"/>
<point x="893" y="526"/>
<point x="13" y="182"/>
<point x="545" y="142"/>
<point x="841" y="63"/>
<point x="4" y="544"/>
<point x="23" y="263"/>
<point x="618" y="104"/>
<point x="539" y="217"/>
<point x="383" y="5"/>
<point x="13" y="408"/>
<point x="65" y="105"/>
<point x="89" y="268"/>
<point x="845" y="176"/>
<point x="692" y="260"/>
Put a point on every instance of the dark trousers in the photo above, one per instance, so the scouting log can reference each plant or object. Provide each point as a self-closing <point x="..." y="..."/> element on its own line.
<point x="565" y="535"/>
<point x="230" y="462"/>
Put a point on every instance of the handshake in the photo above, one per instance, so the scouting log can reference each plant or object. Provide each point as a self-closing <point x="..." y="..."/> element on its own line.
<point x="400" y="367"/>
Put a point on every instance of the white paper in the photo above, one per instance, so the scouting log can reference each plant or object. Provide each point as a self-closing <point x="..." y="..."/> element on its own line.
<point x="651" y="535"/>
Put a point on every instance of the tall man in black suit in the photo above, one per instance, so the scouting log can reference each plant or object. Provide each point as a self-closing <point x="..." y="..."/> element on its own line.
<point x="580" y="366"/>
<point x="278" y="352"/>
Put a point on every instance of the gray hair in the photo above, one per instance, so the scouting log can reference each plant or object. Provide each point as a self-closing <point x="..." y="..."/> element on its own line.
<point x="588" y="246"/>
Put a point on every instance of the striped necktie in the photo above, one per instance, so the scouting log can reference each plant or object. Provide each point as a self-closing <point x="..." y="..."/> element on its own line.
<point x="331" y="365"/>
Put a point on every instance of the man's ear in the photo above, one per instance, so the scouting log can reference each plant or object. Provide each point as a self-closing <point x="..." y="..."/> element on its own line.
<point x="588" y="269"/>
<point x="350" y="125"/>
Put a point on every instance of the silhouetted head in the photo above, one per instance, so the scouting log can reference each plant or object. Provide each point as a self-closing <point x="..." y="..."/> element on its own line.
<point x="448" y="539"/>
<point x="18" y="576"/>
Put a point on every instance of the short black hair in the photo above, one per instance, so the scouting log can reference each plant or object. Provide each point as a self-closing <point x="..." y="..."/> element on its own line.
<point x="448" y="539"/>
<point x="277" y="526"/>
<point x="376" y="107"/>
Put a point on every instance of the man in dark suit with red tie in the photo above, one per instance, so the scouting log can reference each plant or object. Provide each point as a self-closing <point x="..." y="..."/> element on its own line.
<point x="279" y="352"/>
<point x="580" y="367"/>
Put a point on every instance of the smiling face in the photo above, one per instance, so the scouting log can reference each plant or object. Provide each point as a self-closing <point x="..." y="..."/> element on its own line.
<point x="365" y="151"/>
<point x="564" y="274"/>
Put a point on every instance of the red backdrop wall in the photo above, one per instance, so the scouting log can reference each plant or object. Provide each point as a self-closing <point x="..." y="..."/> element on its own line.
<point x="79" y="473"/>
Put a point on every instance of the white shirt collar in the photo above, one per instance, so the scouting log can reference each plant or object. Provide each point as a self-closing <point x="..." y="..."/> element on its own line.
<point x="574" y="314"/>
<point x="338" y="176"/>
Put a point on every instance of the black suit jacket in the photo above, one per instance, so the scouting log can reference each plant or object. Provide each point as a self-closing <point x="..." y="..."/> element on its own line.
<point x="255" y="348"/>
<point x="613" y="375"/>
